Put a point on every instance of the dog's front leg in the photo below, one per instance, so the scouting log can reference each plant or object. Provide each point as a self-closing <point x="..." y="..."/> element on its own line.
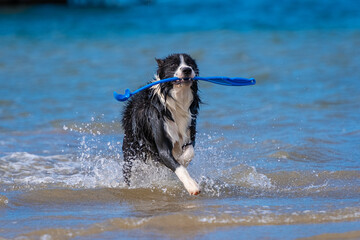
<point x="168" y="160"/>
<point x="191" y="186"/>
<point x="164" y="147"/>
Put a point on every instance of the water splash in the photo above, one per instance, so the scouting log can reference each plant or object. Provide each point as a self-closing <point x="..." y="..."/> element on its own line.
<point x="97" y="163"/>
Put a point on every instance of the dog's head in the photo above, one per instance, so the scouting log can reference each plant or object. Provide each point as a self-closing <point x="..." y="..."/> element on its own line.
<point x="177" y="65"/>
<point x="181" y="66"/>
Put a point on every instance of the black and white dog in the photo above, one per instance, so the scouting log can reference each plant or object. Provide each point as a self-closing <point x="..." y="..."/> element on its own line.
<point x="160" y="122"/>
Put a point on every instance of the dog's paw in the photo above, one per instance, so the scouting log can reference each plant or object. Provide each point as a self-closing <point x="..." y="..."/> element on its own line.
<point x="192" y="188"/>
<point x="190" y="185"/>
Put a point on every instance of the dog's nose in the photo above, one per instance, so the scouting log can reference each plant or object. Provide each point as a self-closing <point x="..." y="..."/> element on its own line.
<point x="187" y="70"/>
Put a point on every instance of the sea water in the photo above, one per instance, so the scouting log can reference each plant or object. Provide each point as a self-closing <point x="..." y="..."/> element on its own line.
<point x="278" y="160"/>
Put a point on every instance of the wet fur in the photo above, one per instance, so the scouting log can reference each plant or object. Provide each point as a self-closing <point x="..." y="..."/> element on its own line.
<point x="160" y="122"/>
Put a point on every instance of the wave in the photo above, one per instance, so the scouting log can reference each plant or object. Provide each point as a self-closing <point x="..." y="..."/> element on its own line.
<point x="175" y="225"/>
<point x="23" y="170"/>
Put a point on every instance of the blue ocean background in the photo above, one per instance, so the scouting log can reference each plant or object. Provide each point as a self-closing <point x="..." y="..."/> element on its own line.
<point x="277" y="160"/>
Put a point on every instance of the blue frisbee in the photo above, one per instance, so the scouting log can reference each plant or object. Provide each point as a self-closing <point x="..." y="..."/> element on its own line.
<point x="217" y="80"/>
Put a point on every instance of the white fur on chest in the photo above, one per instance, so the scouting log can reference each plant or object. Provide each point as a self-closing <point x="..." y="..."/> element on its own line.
<point x="178" y="104"/>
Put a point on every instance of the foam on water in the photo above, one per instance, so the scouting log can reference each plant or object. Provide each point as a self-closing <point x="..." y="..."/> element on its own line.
<point x="86" y="171"/>
<point x="98" y="164"/>
<point x="21" y="168"/>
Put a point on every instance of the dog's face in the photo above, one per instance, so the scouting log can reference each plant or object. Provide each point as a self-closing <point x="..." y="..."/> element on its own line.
<point x="178" y="65"/>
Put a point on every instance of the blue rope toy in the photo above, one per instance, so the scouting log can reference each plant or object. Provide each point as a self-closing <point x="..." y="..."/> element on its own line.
<point x="218" y="80"/>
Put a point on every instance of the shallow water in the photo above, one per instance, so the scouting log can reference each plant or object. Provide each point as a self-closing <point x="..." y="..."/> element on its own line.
<point x="276" y="160"/>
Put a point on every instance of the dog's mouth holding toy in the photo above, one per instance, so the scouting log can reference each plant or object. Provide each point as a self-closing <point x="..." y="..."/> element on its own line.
<point x="183" y="81"/>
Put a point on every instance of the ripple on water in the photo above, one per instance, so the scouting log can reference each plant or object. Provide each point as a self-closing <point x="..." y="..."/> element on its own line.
<point x="177" y="224"/>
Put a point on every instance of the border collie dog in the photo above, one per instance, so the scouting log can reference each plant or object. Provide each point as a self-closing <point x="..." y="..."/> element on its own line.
<point x="160" y="122"/>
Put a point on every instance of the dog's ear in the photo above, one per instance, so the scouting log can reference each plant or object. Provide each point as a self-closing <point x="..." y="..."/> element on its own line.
<point x="160" y="62"/>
